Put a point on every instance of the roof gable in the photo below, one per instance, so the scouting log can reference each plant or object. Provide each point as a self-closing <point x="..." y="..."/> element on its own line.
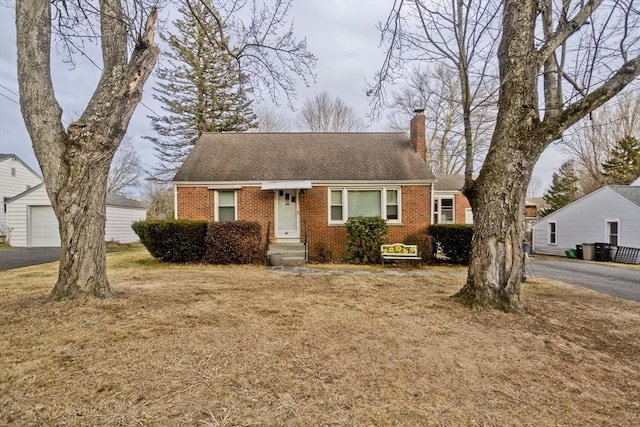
<point x="613" y="188"/>
<point x="4" y="157"/>
<point x="238" y="157"/>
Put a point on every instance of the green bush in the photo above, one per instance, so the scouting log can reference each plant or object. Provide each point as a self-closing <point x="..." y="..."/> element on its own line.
<point x="173" y="240"/>
<point x="364" y="237"/>
<point x="454" y="240"/>
<point x="234" y="242"/>
<point x="425" y="244"/>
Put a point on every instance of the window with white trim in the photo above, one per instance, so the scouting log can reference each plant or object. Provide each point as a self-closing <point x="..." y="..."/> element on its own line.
<point x="345" y="203"/>
<point x="225" y="205"/>
<point x="553" y="233"/>
<point x="443" y="210"/>
<point x="613" y="232"/>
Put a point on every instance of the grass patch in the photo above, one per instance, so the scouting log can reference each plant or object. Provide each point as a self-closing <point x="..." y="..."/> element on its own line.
<point x="240" y="345"/>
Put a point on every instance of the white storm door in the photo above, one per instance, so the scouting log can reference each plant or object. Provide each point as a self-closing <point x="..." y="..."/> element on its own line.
<point x="287" y="214"/>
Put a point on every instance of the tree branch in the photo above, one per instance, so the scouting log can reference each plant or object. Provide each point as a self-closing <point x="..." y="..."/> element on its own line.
<point x="555" y="40"/>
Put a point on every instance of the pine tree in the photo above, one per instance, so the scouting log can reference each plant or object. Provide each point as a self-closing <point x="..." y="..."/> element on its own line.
<point x="564" y="188"/>
<point x="200" y="88"/>
<point x="623" y="165"/>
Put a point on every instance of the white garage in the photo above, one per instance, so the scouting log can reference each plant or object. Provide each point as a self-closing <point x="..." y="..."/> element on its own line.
<point x="31" y="221"/>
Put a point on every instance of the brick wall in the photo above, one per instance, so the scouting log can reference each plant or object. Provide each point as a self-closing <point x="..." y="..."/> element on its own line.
<point x="461" y="204"/>
<point x="326" y="241"/>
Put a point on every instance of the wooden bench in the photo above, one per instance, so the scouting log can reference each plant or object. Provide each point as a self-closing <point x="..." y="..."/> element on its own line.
<point x="399" y="251"/>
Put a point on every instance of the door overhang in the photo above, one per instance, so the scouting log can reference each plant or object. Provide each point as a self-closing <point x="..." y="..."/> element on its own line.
<point x="286" y="185"/>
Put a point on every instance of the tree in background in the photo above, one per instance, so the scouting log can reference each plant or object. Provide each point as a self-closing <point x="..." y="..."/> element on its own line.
<point x="439" y="92"/>
<point x="200" y="88"/>
<point x="325" y="113"/>
<point x="596" y="136"/>
<point x="270" y="119"/>
<point x="157" y="197"/>
<point x="125" y="171"/>
<point x="564" y="188"/>
<point x="623" y="165"/>
<point x="586" y="53"/>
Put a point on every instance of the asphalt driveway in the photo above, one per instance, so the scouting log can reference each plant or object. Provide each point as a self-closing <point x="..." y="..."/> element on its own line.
<point x="23" y="257"/>
<point x="617" y="281"/>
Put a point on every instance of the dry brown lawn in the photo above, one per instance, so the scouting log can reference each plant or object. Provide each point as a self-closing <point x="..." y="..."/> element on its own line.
<point x="214" y="346"/>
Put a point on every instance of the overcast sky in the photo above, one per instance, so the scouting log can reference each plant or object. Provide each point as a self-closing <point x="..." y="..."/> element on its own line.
<point x="342" y="35"/>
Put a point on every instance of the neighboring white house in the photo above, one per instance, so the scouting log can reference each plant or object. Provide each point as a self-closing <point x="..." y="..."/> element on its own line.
<point x="31" y="221"/>
<point x="609" y="215"/>
<point x="15" y="177"/>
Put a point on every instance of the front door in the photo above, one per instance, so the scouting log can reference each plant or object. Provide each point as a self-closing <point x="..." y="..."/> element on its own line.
<point x="287" y="214"/>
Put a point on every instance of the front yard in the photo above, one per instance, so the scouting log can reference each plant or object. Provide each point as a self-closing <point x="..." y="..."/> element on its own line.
<point x="205" y="345"/>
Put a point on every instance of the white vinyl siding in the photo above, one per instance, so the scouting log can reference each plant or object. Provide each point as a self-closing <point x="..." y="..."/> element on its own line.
<point x="14" y="179"/>
<point x="345" y="203"/>
<point x="584" y="221"/>
<point x="24" y="232"/>
<point x="119" y="220"/>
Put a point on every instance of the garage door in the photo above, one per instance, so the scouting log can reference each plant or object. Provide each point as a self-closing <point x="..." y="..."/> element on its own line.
<point x="43" y="226"/>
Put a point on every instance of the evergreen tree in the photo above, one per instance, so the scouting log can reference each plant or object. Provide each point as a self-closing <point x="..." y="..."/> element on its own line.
<point x="564" y="188"/>
<point x="200" y="87"/>
<point x="623" y="165"/>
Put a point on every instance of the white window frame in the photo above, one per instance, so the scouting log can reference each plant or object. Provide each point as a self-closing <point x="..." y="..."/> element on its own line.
<point x="216" y="205"/>
<point x="555" y="233"/>
<point x="438" y="212"/>
<point x="607" y="230"/>
<point x="383" y="203"/>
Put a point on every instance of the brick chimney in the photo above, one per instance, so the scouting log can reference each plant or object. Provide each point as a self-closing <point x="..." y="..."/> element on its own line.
<point x="416" y="134"/>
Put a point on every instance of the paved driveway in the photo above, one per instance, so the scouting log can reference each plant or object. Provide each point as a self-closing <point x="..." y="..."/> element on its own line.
<point x="24" y="257"/>
<point x="622" y="282"/>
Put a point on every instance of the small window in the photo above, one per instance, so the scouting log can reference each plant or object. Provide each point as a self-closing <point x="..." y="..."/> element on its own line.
<point x="336" y="205"/>
<point x="552" y="234"/>
<point x="612" y="231"/>
<point x="226" y="208"/>
<point x="392" y="205"/>
<point x="13" y="171"/>
<point x="446" y="211"/>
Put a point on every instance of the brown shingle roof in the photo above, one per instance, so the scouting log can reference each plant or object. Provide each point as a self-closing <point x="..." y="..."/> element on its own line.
<point x="449" y="182"/>
<point x="220" y="157"/>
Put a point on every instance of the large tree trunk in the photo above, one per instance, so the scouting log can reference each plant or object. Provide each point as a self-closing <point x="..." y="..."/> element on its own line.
<point x="498" y="195"/>
<point x="75" y="162"/>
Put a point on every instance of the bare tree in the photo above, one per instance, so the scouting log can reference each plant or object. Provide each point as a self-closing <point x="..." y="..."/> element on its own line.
<point x="594" y="137"/>
<point x="75" y="161"/>
<point x="325" y="113"/>
<point x="157" y="197"/>
<point x="586" y="53"/>
<point x="125" y="172"/>
<point x="438" y="91"/>
<point x="270" y="119"/>
<point x="535" y="187"/>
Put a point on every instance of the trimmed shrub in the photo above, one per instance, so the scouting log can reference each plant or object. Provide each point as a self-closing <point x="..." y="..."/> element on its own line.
<point x="174" y="240"/>
<point x="234" y="242"/>
<point x="364" y="237"/>
<point x="425" y="244"/>
<point x="454" y="240"/>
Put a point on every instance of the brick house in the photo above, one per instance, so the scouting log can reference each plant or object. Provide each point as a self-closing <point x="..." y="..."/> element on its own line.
<point x="302" y="187"/>
<point x="450" y="206"/>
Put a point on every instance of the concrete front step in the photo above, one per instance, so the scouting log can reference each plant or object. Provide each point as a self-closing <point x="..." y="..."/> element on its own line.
<point x="292" y="253"/>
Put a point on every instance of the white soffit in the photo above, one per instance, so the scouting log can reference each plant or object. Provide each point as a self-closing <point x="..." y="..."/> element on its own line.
<point x="286" y="185"/>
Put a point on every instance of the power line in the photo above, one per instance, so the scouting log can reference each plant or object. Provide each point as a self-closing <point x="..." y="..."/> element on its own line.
<point x="15" y="93"/>
<point x="10" y="99"/>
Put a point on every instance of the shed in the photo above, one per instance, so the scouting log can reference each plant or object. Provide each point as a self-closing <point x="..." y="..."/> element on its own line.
<point x="31" y="221"/>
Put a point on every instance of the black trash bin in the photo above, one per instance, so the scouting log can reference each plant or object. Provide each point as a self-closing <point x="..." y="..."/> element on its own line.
<point x="579" y="251"/>
<point x="602" y="251"/>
